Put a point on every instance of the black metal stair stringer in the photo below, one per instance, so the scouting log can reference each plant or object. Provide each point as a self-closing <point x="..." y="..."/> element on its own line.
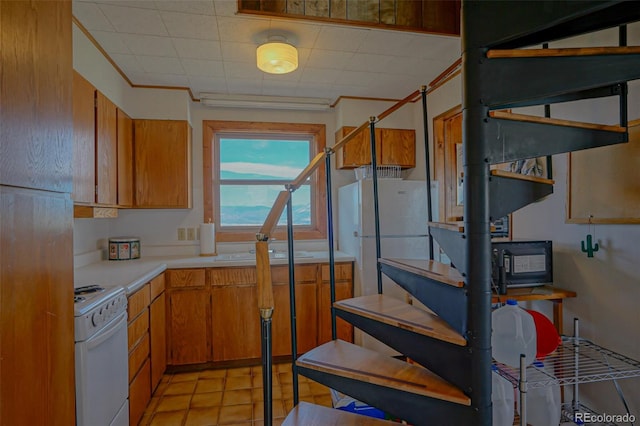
<point x="598" y="92"/>
<point x="436" y="355"/>
<point x="416" y="409"/>
<point x="452" y="243"/>
<point x="509" y="195"/>
<point x="511" y="140"/>
<point x="527" y="23"/>
<point x="447" y="301"/>
<point x="506" y="81"/>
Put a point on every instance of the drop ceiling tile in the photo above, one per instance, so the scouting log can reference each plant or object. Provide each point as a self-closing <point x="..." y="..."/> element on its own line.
<point x="238" y="52"/>
<point x="111" y="42"/>
<point x="207" y="85"/>
<point x="316" y="91"/>
<point x="356" y="78"/>
<point x="198" y="67"/>
<point x="226" y="7"/>
<point x="319" y="75"/>
<point x="242" y="70"/>
<point x="149" y="45"/>
<point x="340" y="38"/>
<point x="275" y="88"/>
<point x="244" y="86"/>
<point x="91" y="17"/>
<point x="160" y="65"/>
<point x="127" y="63"/>
<point x="134" y="20"/>
<point x="371" y="62"/>
<point x="142" y="4"/>
<point x="436" y="47"/>
<point x="198" y="49"/>
<point x="426" y="68"/>
<point x="297" y="33"/>
<point x="387" y="43"/>
<point x="197" y="7"/>
<point x="320" y="58"/>
<point x="187" y="25"/>
<point x="241" y="29"/>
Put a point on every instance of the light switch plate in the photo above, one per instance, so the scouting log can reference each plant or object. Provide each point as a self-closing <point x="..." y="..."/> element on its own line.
<point x="182" y="234"/>
<point x="191" y="234"/>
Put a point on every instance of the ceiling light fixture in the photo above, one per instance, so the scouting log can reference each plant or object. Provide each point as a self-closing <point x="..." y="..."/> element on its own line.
<point x="276" y="56"/>
<point x="264" y="102"/>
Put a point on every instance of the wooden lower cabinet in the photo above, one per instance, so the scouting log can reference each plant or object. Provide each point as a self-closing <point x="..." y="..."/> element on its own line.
<point x="344" y="290"/>
<point x="214" y="316"/>
<point x="158" y="337"/>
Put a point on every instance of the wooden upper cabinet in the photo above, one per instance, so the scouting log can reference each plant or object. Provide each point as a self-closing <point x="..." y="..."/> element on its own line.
<point x="393" y="147"/>
<point x="162" y="164"/>
<point x="84" y="140"/>
<point x="106" y="151"/>
<point x="125" y="159"/>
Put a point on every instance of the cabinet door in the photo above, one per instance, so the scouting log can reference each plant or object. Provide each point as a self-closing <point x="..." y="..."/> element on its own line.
<point x="396" y="147"/>
<point x="84" y="141"/>
<point x="356" y="152"/>
<point x="106" y="151"/>
<point x="188" y="325"/>
<point x="125" y="159"/>
<point x="236" y="322"/>
<point x="306" y="318"/>
<point x="162" y="164"/>
<point x="158" y="340"/>
<point x="139" y="394"/>
<point x="344" y="290"/>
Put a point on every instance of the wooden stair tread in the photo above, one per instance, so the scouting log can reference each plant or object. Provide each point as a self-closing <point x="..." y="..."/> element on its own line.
<point x="555" y="121"/>
<point x="573" y="51"/>
<point x="513" y="175"/>
<point x="455" y="226"/>
<point x="432" y="269"/>
<point x="395" y="312"/>
<point x="305" y="414"/>
<point x="354" y="362"/>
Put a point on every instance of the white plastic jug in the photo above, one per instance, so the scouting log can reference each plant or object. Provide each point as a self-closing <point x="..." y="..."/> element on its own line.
<point x="543" y="403"/>
<point x="502" y="400"/>
<point x="514" y="333"/>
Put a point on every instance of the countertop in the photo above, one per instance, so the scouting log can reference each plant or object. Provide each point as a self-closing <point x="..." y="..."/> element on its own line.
<point x="133" y="274"/>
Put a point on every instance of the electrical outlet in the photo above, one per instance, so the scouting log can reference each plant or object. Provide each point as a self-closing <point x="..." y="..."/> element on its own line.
<point x="191" y="234"/>
<point x="182" y="234"/>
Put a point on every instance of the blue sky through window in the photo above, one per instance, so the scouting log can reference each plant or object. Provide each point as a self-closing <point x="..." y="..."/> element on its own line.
<point x="255" y="160"/>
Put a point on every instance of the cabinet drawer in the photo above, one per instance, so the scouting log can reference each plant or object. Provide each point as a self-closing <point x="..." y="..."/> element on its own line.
<point x="303" y="273"/>
<point x="157" y="286"/>
<point x="138" y="356"/>
<point x="178" y="278"/>
<point x="232" y="276"/>
<point x="139" y="394"/>
<point x="344" y="271"/>
<point x="138" y="302"/>
<point x="137" y="328"/>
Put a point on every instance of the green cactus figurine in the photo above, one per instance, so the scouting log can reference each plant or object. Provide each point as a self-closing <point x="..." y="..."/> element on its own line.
<point x="590" y="249"/>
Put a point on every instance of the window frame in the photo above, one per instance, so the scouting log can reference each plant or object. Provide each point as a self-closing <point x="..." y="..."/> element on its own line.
<point x="316" y="133"/>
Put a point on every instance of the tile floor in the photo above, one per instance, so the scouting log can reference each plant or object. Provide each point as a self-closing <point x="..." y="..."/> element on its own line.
<point x="227" y="397"/>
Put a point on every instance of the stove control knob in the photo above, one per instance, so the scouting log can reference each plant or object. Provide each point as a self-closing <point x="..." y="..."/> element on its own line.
<point x="95" y="319"/>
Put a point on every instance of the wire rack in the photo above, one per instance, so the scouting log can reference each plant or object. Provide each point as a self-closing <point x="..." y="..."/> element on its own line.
<point x="575" y="361"/>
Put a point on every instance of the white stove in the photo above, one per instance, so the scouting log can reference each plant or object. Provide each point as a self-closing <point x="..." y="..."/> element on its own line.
<point x="101" y="356"/>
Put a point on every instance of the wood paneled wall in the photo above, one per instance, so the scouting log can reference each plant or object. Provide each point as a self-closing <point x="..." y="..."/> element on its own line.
<point x="36" y="214"/>
<point x="431" y="16"/>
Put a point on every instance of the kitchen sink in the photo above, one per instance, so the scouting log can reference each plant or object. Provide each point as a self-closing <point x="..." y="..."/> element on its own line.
<point x="272" y="255"/>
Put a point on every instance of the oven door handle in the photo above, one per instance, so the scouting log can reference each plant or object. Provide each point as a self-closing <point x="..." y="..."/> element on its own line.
<point x="107" y="332"/>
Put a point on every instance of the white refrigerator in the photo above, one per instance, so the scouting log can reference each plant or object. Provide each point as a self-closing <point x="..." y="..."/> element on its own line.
<point x="403" y="230"/>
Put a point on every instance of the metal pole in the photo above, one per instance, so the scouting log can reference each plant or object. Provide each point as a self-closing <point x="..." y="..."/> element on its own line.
<point x="425" y="119"/>
<point x="332" y="262"/>
<point x="292" y="296"/>
<point x="267" y="361"/>
<point x="547" y="113"/>
<point x="523" y="391"/>
<point x="376" y="210"/>
<point x="476" y="220"/>
<point x="622" y="35"/>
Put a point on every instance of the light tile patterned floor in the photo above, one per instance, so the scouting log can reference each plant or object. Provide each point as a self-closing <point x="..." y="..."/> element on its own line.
<point x="227" y="397"/>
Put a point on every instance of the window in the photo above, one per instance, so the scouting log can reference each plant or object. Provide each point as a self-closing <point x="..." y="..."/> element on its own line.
<point x="246" y="164"/>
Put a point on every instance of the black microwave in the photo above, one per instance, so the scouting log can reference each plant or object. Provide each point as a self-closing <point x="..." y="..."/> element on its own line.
<point x="521" y="264"/>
